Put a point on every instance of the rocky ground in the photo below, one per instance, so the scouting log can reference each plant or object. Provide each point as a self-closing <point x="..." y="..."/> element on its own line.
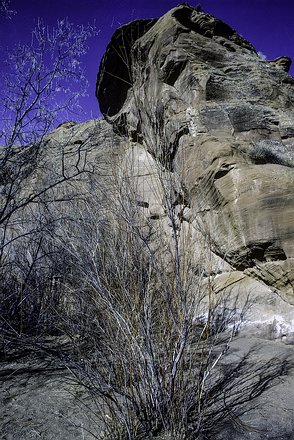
<point x="271" y="415"/>
<point x="39" y="399"/>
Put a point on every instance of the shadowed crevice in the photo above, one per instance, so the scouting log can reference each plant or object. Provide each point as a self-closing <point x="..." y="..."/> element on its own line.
<point x="114" y="76"/>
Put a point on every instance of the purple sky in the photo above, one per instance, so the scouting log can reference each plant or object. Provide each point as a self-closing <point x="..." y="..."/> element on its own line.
<point x="267" y="24"/>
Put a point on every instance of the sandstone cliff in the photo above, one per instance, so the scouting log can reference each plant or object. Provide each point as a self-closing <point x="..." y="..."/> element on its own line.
<point x="192" y="95"/>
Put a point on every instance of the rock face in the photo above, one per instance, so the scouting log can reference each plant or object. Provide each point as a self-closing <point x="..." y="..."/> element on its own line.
<point x="202" y="103"/>
<point x="201" y="109"/>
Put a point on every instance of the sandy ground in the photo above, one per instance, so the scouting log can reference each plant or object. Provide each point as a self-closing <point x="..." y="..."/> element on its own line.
<point x="40" y="400"/>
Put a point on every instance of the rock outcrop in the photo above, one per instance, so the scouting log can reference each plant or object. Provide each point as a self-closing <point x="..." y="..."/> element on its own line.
<point x="219" y="119"/>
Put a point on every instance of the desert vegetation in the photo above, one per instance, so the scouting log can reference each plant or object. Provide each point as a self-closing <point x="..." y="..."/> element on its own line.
<point x="146" y="333"/>
<point x="149" y="336"/>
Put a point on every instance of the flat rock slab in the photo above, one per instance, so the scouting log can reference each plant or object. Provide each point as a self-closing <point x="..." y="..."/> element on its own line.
<point x="271" y="415"/>
<point x="39" y="400"/>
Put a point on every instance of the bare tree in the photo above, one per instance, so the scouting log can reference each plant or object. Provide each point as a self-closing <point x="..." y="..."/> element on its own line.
<point x="42" y="85"/>
<point x="44" y="81"/>
<point x="30" y="262"/>
<point x="5" y="10"/>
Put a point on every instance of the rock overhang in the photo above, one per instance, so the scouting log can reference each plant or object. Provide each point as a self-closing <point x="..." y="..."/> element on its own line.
<point x="116" y="77"/>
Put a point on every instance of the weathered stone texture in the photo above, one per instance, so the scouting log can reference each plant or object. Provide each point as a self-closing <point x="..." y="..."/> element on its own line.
<point x="219" y="118"/>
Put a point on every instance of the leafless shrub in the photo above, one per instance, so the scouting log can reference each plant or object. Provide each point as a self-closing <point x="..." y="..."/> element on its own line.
<point x="32" y="267"/>
<point x="142" y="342"/>
<point x="42" y="82"/>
